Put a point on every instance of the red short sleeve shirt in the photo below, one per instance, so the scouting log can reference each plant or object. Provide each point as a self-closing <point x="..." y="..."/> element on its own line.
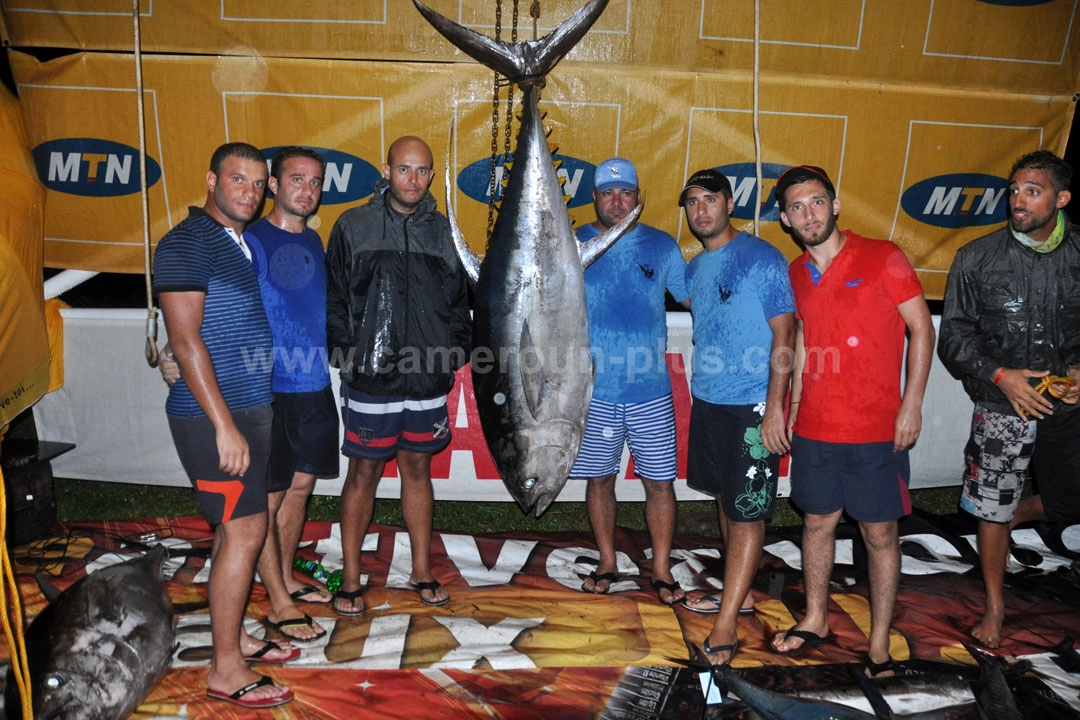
<point x="854" y="339"/>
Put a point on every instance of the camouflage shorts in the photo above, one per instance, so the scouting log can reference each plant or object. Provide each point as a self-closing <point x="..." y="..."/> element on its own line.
<point x="995" y="462"/>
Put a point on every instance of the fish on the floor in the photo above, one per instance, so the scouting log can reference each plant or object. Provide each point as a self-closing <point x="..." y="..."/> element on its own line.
<point x="99" y="647"/>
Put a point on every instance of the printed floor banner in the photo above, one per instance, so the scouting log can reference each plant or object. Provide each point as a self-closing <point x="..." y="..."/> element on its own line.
<point x="519" y="640"/>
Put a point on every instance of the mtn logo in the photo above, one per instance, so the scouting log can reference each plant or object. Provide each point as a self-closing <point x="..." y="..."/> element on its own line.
<point x="743" y="177"/>
<point x="92" y="167"/>
<point x="347" y="177"/>
<point x="577" y="176"/>
<point x="957" y="200"/>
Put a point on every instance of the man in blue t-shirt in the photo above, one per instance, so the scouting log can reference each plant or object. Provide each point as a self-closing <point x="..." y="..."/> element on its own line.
<point x="219" y="410"/>
<point x="744" y="345"/>
<point x="291" y="264"/>
<point x="631" y="401"/>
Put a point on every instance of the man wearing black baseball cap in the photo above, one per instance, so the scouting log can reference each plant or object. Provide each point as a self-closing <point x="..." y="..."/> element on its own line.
<point x="850" y="426"/>
<point x="744" y="343"/>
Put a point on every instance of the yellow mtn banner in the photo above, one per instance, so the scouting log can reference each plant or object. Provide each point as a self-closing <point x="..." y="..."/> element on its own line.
<point x="24" y="348"/>
<point x="916" y="109"/>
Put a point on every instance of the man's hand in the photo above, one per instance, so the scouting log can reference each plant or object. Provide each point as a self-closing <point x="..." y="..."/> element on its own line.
<point x="233" y="455"/>
<point x="1073" y="394"/>
<point x="908" y="426"/>
<point x="1021" y="395"/>
<point x="774" y="435"/>
<point x="167" y="365"/>
<point x="793" y="410"/>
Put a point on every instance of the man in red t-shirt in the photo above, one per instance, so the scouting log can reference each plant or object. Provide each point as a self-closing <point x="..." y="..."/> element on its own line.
<point x="850" y="425"/>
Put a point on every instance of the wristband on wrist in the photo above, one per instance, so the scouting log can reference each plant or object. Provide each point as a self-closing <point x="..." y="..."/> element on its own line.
<point x="1000" y="374"/>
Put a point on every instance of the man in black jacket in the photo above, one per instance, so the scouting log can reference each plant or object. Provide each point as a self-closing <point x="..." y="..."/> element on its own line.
<point x="397" y="325"/>
<point x="1010" y="326"/>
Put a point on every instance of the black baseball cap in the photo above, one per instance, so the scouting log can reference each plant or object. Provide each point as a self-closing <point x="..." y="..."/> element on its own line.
<point x="799" y="174"/>
<point x="711" y="180"/>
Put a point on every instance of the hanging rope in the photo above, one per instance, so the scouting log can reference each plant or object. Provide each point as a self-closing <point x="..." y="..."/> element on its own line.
<point x="151" y="311"/>
<point x="13" y="614"/>
<point x="757" y="129"/>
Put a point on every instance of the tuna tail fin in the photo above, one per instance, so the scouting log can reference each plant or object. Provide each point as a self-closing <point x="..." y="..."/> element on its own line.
<point x="595" y="247"/>
<point x="524" y="61"/>
<point x="468" y="258"/>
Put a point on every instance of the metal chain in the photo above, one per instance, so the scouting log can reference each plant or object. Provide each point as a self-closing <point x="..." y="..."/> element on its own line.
<point x="494" y="129"/>
<point x="510" y="94"/>
<point x="508" y="130"/>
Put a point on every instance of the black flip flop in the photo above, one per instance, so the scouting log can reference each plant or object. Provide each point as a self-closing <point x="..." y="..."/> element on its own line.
<point x="351" y="596"/>
<point x="304" y="621"/>
<point x="671" y="587"/>
<point x="610" y="577"/>
<point x="810" y="639"/>
<point x="432" y="587"/>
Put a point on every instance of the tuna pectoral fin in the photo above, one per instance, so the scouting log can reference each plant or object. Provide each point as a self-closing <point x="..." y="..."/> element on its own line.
<point x="531" y="370"/>
<point x="595" y="248"/>
<point x="469" y="261"/>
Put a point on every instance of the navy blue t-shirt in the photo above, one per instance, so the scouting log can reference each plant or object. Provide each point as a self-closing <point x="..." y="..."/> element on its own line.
<point x="291" y="268"/>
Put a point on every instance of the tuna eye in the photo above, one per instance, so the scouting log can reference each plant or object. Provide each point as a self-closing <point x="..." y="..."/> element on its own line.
<point x="529" y="482"/>
<point x="53" y="682"/>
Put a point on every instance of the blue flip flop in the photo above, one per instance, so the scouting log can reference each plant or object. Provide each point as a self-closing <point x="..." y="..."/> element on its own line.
<point x="729" y="649"/>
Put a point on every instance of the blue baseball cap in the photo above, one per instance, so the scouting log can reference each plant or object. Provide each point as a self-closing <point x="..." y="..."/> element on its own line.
<point x="615" y="173"/>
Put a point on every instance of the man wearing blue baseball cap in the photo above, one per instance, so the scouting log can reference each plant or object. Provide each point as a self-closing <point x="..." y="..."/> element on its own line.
<point x="631" y="402"/>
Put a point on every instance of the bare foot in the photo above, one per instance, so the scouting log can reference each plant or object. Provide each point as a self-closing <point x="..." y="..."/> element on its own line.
<point x="988" y="631"/>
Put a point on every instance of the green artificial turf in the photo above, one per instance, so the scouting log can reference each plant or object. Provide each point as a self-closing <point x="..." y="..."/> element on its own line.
<point x="82" y="500"/>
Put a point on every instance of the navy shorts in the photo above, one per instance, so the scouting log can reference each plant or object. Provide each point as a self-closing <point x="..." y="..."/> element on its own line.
<point x="726" y="459"/>
<point x="377" y="426"/>
<point x="868" y="480"/>
<point x="304" y="436"/>
<point x="221" y="496"/>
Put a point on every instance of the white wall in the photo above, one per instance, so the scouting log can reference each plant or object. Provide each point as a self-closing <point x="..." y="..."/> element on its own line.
<point x="112" y="407"/>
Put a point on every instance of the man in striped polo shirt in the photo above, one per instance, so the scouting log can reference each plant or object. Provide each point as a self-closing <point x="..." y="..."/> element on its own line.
<point x="220" y="409"/>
